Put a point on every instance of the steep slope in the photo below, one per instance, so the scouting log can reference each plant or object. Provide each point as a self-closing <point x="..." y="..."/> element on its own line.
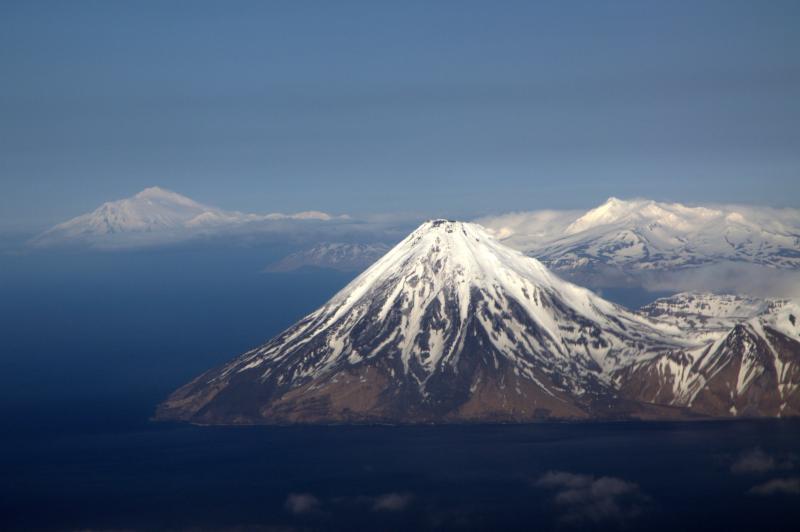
<point x="748" y="365"/>
<point x="449" y="325"/>
<point x="645" y="235"/>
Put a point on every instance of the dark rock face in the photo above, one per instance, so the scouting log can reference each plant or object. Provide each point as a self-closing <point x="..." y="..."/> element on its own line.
<point x="479" y="384"/>
<point x="451" y="326"/>
<point x="745" y="375"/>
<point x="748" y="368"/>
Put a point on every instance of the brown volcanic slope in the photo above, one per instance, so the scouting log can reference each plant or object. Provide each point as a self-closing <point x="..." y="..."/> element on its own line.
<point x="749" y="368"/>
<point x="452" y="326"/>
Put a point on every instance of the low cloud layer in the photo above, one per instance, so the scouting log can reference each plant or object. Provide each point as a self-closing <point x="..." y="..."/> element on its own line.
<point x="756" y="461"/>
<point x="587" y="499"/>
<point x="301" y="503"/>
<point x="777" y="486"/>
<point x="392" y="502"/>
<point x="304" y="503"/>
<point x="524" y="229"/>
<point x="727" y="277"/>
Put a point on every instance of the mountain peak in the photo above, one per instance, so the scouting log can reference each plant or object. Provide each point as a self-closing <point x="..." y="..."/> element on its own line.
<point x="155" y="215"/>
<point x="613" y="210"/>
<point x="163" y="195"/>
<point x="614" y="201"/>
<point x="154" y="191"/>
<point x="640" y="235"/>
<point x="440" y="224"/>
<point x="459" y="248"/>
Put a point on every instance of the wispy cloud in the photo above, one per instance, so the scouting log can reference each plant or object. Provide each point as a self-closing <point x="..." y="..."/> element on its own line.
<point x="392" y="502"/>
<point x="301" y="503"/>
<point x="777" y="486"/>
<point x="728" y="277"/>
<point x="753" y="461"/>
<point x="757" y="462"/>
<point x="585" y="498"/>
<point x="304" y="503"/>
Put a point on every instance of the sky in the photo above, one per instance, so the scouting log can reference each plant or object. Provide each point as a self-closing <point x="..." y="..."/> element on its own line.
<point x="456" y="109"/>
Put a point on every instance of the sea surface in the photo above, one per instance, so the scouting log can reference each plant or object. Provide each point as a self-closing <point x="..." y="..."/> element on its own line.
<point x="90" y="343"/>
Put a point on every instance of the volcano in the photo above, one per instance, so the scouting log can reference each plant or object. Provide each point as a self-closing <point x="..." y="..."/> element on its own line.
<point x="449" y="325"/>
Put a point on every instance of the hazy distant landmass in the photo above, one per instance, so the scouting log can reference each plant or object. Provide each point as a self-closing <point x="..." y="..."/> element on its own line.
<point x="659" y="246"/>
<point x="156" y="216"/>
<point x="342" y="256"/>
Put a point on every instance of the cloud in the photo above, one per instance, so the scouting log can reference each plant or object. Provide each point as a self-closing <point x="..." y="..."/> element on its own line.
<point x="585" y="498"/>
<point x="727" y="277"/>
<point x="392" y="502"/>
<point x="301" y="503"/>
<point x="756" y="461"/>
<point x="777" y="486"/>
<point x="753" y="461"/>
<point x="524" y="230"/>
<point x="304" y="503"/>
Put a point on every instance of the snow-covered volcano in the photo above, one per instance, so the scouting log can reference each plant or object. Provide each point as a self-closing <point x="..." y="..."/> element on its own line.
<point x="154" y="215"/>
<point x="646" y="235"/>
<point x="153" y="209"/>
<point x="448" y="325"/>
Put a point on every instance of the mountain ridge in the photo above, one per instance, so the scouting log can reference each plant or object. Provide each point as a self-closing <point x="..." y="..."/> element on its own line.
<point x="643" y="234"/>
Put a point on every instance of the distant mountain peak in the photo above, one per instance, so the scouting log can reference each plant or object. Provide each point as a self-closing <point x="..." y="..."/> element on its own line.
<point x="646" y="235"/>
<point x="155" y="215"/>
<point x="154" y="191"/>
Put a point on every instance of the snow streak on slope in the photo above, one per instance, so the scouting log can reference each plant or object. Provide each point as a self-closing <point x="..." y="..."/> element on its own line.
<point x="439" y="273"/>
<point x="748" y="362"/>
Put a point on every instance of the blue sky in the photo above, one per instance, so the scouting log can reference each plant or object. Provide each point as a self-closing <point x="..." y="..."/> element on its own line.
<point x="441" y="108"/>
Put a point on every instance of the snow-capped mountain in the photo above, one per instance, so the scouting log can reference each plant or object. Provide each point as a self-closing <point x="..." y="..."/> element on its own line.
<point x="341" y="256"/>
<point x="452" y="325"/>
<point x="748" y="363"/>
<point x="645" y="235"/>
<point x="154" y="215"/>
<point x="449" y="325"/>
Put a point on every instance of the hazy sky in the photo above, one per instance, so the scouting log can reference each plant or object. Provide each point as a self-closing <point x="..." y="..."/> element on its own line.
<point x="444" y="108"/>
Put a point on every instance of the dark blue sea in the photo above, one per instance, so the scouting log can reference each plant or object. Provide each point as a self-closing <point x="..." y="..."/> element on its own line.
<point x="91" y="342"/>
